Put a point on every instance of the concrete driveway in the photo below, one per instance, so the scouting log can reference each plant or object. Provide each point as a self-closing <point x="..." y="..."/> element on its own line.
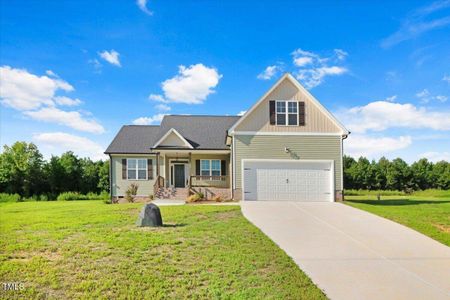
<point x="352" y="254"/>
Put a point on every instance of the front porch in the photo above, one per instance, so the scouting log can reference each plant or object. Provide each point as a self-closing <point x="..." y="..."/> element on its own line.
<point x="181" y="173"/>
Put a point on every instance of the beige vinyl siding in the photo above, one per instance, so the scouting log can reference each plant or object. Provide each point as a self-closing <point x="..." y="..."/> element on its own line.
<point x="119" y="185"/>
<point x="316" y="120"/>
<point x="173" y="140"/>
<point x="302" y="147"/>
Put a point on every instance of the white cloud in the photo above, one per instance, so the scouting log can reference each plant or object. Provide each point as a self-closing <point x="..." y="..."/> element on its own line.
<point x="391" y="98"/>
<point x="112" y="57"/>
<point x="66" y="101"/>
<point x="381" y="115"/>
<point x="163" y="107"/>
<point x="192" y="85"/>
<point x="149" y="120"/>
<point x="425" y="96"/>
<point x="241" y="113"/>
<point x="313" y="69"/>
<point x="441" y="98"/>
<point x="51" y="73"/>
<point x="446" y="78"/>
<point x="59" y="142"/>
<point x="436" y="156"/>
<point x="97" y="65"/>
<point x="302" y="61"/>
<point x="417" y="23"/>
<point x="72" y="119"/>
<point x="341" y="54"/>
<point x="22" y="90"/>
<point x="142" y="4"/>
<point x="269" y="72"/>
<point x="358" y="145"/>
<point x="314" y="77"/>
<point x="155" y="97"/>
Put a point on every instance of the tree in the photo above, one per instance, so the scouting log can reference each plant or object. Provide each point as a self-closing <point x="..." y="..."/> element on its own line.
<point x="103" y="170"/>
<point x="21" y="169"/>
<point x="348" y="162"/>
<point x="440" y="175"/>
<point x="422" y="174"/>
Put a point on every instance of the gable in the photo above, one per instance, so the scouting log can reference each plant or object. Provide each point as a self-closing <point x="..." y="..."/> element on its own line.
<point x="173" y="139"/>
<point x="317" y="119"/>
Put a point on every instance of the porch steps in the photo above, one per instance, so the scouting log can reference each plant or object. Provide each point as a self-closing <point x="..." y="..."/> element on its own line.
<point x="172" y="193"/>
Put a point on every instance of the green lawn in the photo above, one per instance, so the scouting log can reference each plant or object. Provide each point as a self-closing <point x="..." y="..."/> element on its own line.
<point x="88" y="249"/>
<point x="428" y="215"/>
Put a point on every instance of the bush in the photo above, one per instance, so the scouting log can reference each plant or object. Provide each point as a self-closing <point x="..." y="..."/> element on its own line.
<point x="217" y="198"/>
<point x="195" y="197"/>
<point x="131" y="192"/>
<point x="4" y="197"/>
<point x="70" y="196"/>
<point x="373" y="192"/>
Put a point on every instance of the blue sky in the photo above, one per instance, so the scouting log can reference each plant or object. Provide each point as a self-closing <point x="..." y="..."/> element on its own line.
<point x="74" y="72"/>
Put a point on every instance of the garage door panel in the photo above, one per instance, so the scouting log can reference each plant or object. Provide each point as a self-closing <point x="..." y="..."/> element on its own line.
<point x="287" y="180"/>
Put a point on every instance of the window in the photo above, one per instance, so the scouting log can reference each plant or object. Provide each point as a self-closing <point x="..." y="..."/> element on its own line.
<point x="137" y="169"/>
<point x="287" y="113"/>
<point x="204" y="167"/>
<point x="210" y="167"/>
<point x="215" y="167"/>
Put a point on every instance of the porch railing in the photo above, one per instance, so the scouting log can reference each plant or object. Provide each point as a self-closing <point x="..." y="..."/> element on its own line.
<point x="159" y="183"/>
<point x="209" y="181"/>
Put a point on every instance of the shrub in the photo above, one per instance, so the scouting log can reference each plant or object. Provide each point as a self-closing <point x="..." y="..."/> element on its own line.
<point x="217" y="198"/>
<point x="70" y="196"/>
<point x="151" y="197"/>
<point x="195" y="197"/>
<point x="4" y="197"/>
<point x="131" y="192"/>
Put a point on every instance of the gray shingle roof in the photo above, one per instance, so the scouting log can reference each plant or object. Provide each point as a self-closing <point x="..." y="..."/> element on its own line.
<point x="202" y="132"/>
<point x="134" y="139"/>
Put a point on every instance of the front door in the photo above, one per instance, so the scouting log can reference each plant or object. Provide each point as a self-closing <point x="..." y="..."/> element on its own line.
<point x="179" y="176"/>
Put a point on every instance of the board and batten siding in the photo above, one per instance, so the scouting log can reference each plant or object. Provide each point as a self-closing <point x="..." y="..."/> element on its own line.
<point x="301" y="147"/>
<point x="315" y="119"/>
<point x="119" y="185"/>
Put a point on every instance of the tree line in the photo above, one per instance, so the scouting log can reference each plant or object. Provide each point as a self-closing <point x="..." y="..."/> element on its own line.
<point x="395" y="175"/>
<point x="24" y="171"/>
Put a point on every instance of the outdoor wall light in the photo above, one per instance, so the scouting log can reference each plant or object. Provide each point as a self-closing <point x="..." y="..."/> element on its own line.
<point x="287" y="150"/>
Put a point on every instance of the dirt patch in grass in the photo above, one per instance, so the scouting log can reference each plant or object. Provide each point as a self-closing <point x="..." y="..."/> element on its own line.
<point x="443" y="228"/>
<point x="26" y="256"/>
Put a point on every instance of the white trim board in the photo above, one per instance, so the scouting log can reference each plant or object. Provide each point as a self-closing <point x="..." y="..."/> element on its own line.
<point x="302" y="89"/>
<point x="172" y="130"/>
<point x="193" y="151"/>
<point x="287" y="133"/>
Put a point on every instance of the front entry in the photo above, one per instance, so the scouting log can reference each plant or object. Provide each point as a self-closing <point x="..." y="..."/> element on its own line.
<point x="179" y="176"/>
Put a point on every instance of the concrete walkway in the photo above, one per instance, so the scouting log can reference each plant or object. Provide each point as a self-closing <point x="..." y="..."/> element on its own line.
<point x="352" y="254"/>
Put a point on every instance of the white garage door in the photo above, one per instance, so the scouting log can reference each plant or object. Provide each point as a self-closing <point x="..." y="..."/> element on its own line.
<point x="288" y="180"/>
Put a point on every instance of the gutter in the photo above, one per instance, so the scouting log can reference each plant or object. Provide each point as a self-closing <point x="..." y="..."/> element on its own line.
<point x="110" y="177"/>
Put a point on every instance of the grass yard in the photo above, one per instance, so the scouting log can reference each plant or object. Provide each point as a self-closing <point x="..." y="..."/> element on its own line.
<point x="88" y="249"/>
<point x="428" y="215"/>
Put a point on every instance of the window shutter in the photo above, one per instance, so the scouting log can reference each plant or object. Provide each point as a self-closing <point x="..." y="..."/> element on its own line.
<point x="124" y="168"/>
<point x="223" y="167"/>
<point x="301" y="113"/>
<point x="150" y="169"/>
<point x="197" y="167"/>
<point x="272" y="112"/>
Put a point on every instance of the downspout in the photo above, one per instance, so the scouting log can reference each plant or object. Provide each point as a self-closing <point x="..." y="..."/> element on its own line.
<point x="344" y="136"/>
<point x="110" y="177"/>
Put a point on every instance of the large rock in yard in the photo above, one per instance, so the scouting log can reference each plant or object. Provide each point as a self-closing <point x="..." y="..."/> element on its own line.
<point x="149" y="216"/>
